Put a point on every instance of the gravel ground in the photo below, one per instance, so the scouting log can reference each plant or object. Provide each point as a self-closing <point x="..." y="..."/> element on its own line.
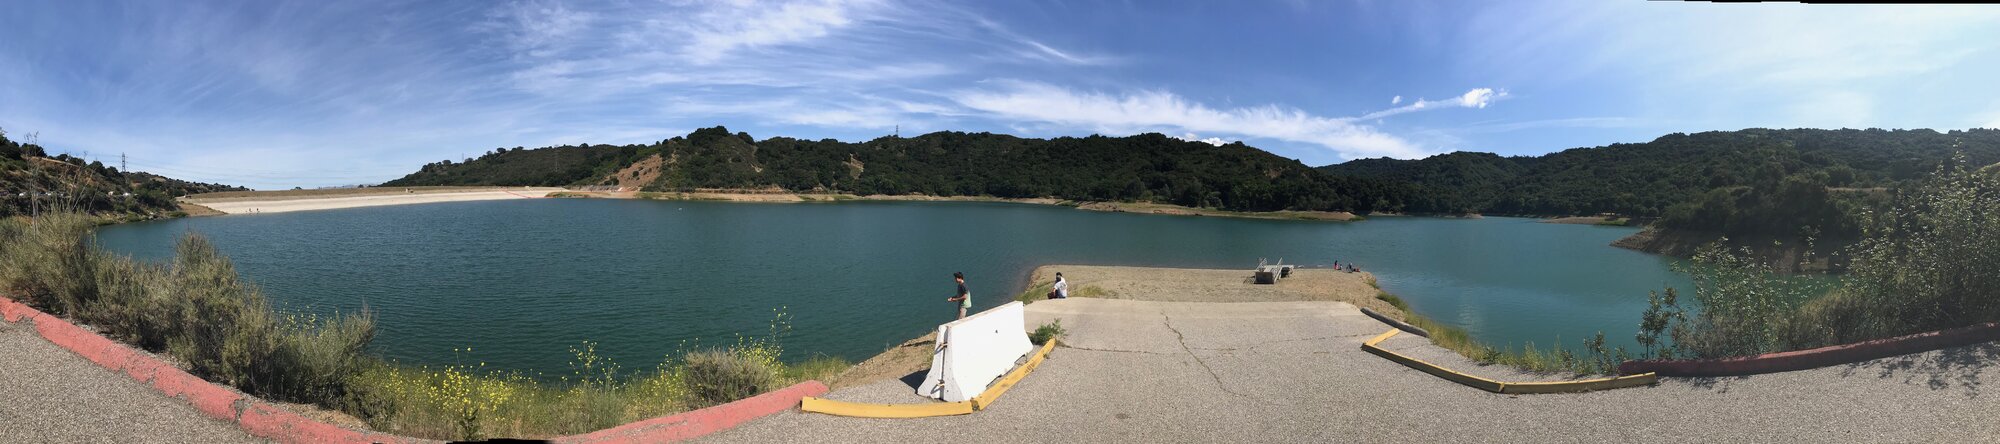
<point x="1141" y="371"/>
<point x="48" y="394"/>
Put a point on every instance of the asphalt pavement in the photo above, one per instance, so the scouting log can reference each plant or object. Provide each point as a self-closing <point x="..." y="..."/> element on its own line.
<point x="48" y="394"/>
<point x="1144" y="371"/>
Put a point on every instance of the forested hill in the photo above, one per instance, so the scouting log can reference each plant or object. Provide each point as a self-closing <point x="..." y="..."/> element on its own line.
<point x="1648" y="179"/>
<point x="31" y="181"/>
<point x="1145" y="167"/>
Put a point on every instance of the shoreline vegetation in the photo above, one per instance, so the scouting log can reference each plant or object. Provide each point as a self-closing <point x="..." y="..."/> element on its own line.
<point x="302" y="200"/>
<point x="773" y="196"/>
<point x="196" y="312"/>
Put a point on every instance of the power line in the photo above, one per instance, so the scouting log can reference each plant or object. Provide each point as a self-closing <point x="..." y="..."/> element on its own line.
<point x="266" y="174"/>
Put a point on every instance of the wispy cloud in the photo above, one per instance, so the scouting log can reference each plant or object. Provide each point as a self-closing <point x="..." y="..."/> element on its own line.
<point x="726" y="27"/>
<point x="1476" y="98"/>
<point x="1162" y="111"/>
<point x="272" y="90"/>
<point x="541" y="28"/>
<point x="1038" y="51"/>
<point x="1754" y="65"/>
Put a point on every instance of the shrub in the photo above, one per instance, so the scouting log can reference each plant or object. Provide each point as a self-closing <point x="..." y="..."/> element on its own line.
<point x="1839" y="317"/>
<point x="1393" y="300"/>
<point x="196" y="310"/>
<point x="1925" y="263"/>
<point x="716" y="376"/>
<point x="1929" y="262"/>
<point x="1046" y="332"/>
<point x="49" y="263"/>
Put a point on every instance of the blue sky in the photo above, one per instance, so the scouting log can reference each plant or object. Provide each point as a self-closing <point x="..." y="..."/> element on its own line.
<point x="281" y="94"/>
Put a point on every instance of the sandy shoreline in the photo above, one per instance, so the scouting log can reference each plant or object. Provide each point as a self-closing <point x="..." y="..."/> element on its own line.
<point x="284" y="202"/>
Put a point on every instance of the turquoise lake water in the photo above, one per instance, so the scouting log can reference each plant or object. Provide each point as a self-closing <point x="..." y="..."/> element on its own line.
<point x="522" y="281"/>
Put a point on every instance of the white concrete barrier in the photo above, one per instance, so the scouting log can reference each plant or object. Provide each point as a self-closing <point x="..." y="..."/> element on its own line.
<point x="974" y="351"/>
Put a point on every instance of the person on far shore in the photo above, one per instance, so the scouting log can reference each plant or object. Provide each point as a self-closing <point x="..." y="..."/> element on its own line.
<point x="964" y="298"/>
<point x="1061" y="290"/>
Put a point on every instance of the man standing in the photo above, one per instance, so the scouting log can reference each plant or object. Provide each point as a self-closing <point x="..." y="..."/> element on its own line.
<point x="964" y="298"/>
<point x="1061" y="290"/>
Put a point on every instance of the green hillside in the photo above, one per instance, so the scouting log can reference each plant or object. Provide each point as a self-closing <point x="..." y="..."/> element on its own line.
<point x="1145" y="168"/>
<point x="33" y="182"/>
<point x="1770" y="191"/>
<point x="1646" y="179"/>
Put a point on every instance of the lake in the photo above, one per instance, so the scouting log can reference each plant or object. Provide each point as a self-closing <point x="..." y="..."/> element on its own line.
<point x="522" y="281"/>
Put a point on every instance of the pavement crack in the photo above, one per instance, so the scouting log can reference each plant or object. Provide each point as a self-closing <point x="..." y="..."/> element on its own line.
<point x="1107" y="350"/>
<point x="1169" y="322"/>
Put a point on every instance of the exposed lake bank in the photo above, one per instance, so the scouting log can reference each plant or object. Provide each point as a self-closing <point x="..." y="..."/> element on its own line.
<point x="1115" y="207"/>
<point x="247" y="202"/>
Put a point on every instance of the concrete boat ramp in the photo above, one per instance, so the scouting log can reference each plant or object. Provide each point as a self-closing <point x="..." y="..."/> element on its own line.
<point x="1146" y="371"/>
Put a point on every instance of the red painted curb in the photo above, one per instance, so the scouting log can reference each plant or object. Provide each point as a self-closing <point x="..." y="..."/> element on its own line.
<point x="702" y="422"/>
<point x="15" y="311"/>
<point x="267" y="421"/>
<point x="282" y="425"/>
<point x="1818" y="357"/>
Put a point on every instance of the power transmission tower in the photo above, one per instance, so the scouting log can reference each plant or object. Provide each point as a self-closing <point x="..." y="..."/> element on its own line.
<point x="121" y="163"/>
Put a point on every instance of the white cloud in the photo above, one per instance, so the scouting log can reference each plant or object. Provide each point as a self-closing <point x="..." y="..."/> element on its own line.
<point x="539" y="29"/>
<point x="1045" y="53"/>
<point x="1397" y="100"/>
<point x="1752" y="65"/>
<point x="1159" y="110"/>
<point x="1191" y="137"/>
<point x="736" y="25"/>
<point x="1476" y="98"/>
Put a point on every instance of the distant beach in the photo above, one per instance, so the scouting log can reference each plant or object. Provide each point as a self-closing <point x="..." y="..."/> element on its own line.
<point x="251" y="202"/>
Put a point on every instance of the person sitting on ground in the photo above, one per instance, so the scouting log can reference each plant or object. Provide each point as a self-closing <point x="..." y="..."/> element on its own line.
<point x="1061" y="289"/>
<point x="964" y="298"/>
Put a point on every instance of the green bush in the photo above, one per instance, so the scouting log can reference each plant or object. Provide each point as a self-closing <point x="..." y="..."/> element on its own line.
<point x="196" y="310"/>
<point x="1393" y="300"/>
<point x="1046" y="332"/>
<point x="49" y="263"/>
<point x="1925" y="263"/>
<point x="716" y="376"/>
<point x="1930" y="262"/>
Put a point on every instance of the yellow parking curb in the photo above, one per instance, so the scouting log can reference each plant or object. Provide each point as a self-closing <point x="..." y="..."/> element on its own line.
<point x="999" y="388"/>
<point x="866" y="410"/>
<point x="929" y="409"/>
<point x="1506" y="387"/>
